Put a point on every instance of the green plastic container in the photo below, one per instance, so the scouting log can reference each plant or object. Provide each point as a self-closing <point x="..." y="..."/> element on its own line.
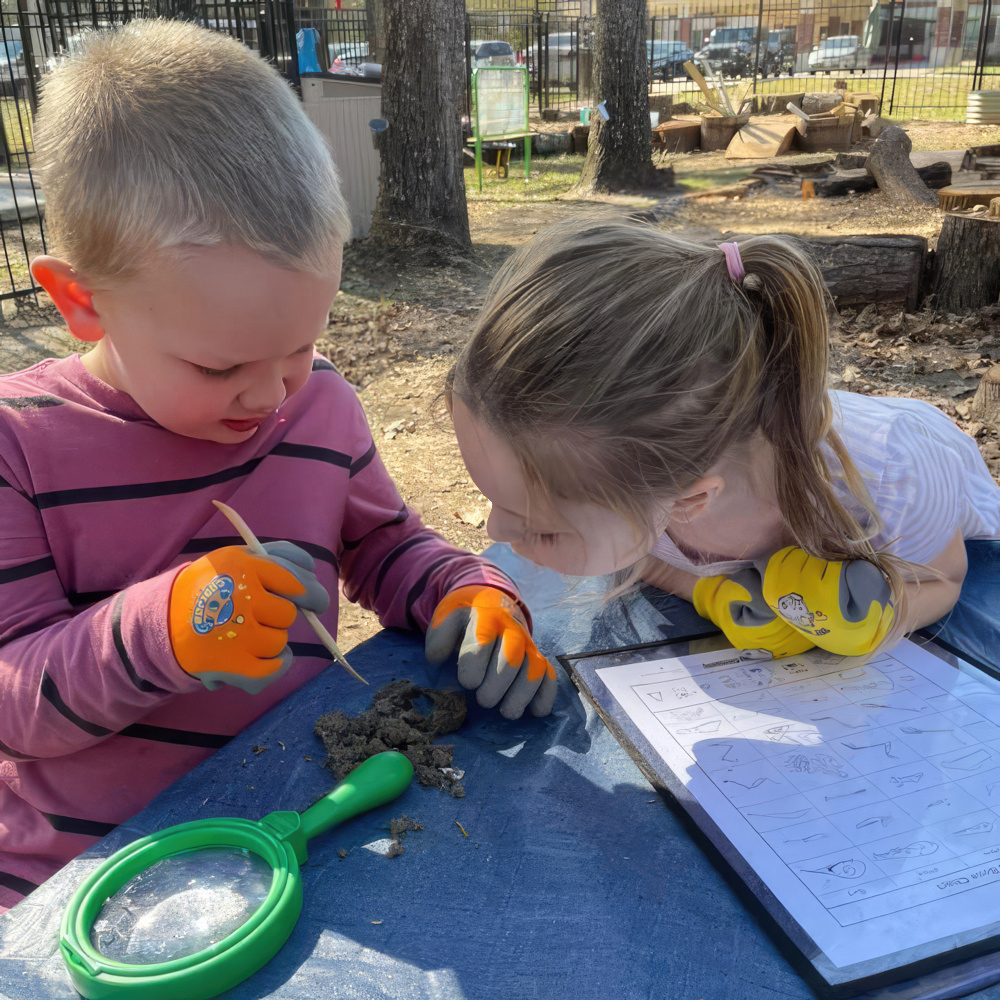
<point x="279" y="838"/>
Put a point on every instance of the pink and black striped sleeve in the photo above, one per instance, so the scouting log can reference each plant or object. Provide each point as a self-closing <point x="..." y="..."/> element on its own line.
<point x="70" y="678"/>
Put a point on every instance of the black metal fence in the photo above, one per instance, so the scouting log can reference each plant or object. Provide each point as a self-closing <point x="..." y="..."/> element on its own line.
<point x="921" y="56"/>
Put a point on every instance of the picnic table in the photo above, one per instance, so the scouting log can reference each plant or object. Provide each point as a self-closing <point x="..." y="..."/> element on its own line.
<point x="561" y="875"/>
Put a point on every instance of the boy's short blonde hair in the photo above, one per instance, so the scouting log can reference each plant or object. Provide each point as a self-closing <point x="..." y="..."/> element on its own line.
<point x="161" y="134"/>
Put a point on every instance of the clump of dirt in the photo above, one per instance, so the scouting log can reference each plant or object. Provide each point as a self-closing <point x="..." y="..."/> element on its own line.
<point x="398" y="829"/>
<point x="394" y="722"/>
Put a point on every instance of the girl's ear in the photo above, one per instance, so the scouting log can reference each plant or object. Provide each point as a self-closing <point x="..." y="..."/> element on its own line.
<point x="71" y="296"/>
<point x="698" y="499"/>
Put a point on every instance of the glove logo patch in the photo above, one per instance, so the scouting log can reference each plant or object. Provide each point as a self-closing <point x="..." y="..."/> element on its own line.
<point x="214" y="605"/>
<point x="793" y="608"/>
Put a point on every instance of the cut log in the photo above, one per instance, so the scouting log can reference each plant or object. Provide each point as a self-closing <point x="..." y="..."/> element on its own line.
<point x="759" y="139"/>
<point x="889" y="163"/>
<point x="851" y="161"/>
<point x="967" y="263"/>
<point x="995" y="208"/>
<point x="986" y="402"/>
<point x="935" y="175"/>
<point x="858" y="270"/>
<point x="677" y="136"/>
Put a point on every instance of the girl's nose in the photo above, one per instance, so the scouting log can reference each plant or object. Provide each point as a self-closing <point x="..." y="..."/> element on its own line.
<point x="266" y="393"/>
<point x="501" y="527"/>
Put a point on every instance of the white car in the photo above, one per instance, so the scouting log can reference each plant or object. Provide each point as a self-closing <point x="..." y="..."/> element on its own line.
<point x="839" y="52"/>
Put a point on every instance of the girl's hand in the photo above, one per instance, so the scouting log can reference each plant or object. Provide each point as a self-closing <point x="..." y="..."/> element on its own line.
<point x="668" y="578"/>
<point x="496" y="655"/>
<point x="843" y="607"/>
<point x="736" y="604"/>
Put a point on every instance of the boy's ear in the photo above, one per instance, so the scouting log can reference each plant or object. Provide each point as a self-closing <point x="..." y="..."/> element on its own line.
<point x="71" y="296"/>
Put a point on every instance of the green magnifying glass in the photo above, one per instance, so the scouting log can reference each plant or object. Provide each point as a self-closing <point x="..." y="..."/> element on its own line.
<point x="193" y="910"/>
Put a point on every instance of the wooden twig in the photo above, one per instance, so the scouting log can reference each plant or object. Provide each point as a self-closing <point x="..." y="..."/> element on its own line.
<point x="310" y="616"/>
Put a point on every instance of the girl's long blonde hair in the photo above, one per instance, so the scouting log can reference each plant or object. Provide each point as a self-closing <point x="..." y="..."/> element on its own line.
<point x="621" y="362"/>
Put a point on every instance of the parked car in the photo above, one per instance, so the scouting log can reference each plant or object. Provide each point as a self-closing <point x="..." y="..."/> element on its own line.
<point x="347" y="54"/>
<point x="735" y="52"/>
<point x="492" y="53"/>
<point x="839" y="52"/>
<point x="666" y="59"/>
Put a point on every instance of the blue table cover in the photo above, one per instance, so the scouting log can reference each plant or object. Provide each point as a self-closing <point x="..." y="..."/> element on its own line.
<point x="572" y="879"/>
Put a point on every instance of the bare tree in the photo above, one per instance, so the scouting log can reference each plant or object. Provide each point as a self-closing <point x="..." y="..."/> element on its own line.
<point x="619" y="154"/>
<point x="421" y="200"/>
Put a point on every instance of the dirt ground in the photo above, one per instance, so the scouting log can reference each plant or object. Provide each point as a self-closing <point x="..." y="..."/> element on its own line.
<point x="395" y="333"/>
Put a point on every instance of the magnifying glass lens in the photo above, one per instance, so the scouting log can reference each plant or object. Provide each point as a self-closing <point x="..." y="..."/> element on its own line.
<point x="181" y="905"/>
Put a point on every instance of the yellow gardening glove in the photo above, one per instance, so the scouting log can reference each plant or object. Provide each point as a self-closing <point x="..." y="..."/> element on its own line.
<point x="496" y="654"/>
<point x="844" y="607"/>
<point x="735" y="603"/>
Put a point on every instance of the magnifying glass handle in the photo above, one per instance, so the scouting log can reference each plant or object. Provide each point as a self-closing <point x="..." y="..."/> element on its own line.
<point x="372" y="783"/>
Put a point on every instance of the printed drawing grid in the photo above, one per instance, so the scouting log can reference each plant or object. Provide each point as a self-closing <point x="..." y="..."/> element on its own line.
<point x="878" y="786"/>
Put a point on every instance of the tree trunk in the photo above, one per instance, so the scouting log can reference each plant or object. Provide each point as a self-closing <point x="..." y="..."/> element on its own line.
<point x="620" y="151"/>
<point x="967" y="263"/>
<point x="421" y="199"/>
<point x="889" y="163"/>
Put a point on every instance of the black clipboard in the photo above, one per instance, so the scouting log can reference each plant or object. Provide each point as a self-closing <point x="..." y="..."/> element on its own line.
<point x="909" y="973"/>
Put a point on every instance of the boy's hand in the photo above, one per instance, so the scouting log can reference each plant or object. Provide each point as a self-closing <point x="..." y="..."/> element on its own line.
<point x="230" y="612"/>
<point x="497" y="656"/>
<point x="736" y="604"/>
<point x="844" y="607"/>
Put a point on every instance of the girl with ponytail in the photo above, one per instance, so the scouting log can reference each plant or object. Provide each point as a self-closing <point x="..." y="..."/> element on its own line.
<point x="633" y="401"/>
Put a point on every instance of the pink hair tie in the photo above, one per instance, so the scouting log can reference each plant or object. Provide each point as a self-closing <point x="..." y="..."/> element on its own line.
<point x="733" y="261"/>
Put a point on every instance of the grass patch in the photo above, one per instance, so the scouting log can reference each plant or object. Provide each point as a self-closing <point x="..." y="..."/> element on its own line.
<point x="693" y="177"/>
<point x="16" y="117"/>
<point x="551" y="176"/>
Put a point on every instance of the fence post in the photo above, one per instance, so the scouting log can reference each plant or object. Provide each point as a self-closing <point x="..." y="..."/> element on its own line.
<point x="899" y="45"/>
<point x="888" y="44"/>
<point x="756" y="58"/>
<point x="982" y="44"/>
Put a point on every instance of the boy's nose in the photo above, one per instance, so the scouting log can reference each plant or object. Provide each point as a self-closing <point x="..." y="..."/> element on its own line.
<point x="264" y="395"/>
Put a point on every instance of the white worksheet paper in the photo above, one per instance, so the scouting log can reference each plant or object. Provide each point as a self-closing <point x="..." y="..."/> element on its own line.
<point x="866" y="795"/>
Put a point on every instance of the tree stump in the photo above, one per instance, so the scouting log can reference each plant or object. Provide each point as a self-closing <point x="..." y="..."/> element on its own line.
<point x="967" y="263"/>
<point x="995" y="208"/>
<point x="889" y="163"/>
<point x="986" y="402"/>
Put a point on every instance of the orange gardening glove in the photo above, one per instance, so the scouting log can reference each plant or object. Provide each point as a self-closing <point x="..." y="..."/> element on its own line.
<point x="230" y="611"/>
<point x="497" y="656"/>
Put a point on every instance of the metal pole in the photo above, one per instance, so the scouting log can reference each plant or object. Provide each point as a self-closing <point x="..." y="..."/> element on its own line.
<point x="888" y="42"/>
<point x="756" y="58"/>
<point x="981" y="44"/>
<point x="899" y="45"/>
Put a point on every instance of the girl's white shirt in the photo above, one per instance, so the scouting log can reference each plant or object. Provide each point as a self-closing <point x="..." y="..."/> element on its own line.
<point x="926" y="477"/>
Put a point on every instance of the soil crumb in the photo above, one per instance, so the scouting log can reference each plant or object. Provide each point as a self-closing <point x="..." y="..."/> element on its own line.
<point x="394" y="722"/>
<point x="398" y="829"/>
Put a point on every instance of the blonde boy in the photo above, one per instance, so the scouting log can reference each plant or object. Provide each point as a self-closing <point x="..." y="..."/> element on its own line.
<point x="197" y="227"/>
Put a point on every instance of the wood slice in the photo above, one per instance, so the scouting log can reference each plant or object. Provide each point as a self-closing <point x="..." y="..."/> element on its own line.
<point x="763" y="138"/>
<point x="889" y="163"/>
<point x="986" y="402"/>
<point x="956" y="196"/>
<point x="967" y="263"/>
